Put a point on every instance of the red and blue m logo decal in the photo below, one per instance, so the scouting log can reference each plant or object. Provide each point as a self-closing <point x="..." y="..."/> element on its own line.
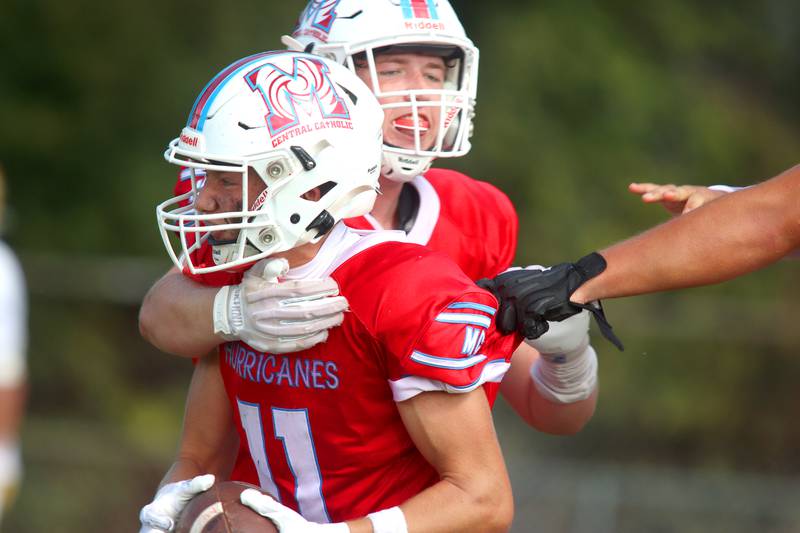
<point x="319" y="14"/>
<point x="306" y="83"/>
<point x="419" y="9"/>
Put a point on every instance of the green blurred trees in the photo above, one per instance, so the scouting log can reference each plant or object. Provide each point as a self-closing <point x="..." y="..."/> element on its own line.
<point x="576" y="99"/>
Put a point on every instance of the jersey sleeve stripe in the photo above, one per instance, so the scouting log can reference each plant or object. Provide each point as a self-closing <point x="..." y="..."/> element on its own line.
<point x="464" y="318"/>
<point x="456" y="363"/>
<point x="470" y="305"/>
<point x="493" y="371"/>
<point x="408" y="387"/>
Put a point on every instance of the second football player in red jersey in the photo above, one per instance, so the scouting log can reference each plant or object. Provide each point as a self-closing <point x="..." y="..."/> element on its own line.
<point x="426" y="81"/>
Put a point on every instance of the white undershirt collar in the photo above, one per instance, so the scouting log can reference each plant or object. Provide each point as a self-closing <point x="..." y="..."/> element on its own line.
<point x="342" y="244"/>
<point x="427" y="216"/>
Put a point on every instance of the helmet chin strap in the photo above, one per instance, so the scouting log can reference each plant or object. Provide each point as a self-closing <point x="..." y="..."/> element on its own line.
<point x="226" y="250"/>
<point x="402" y="167"/>
<point x="223" y="252"/>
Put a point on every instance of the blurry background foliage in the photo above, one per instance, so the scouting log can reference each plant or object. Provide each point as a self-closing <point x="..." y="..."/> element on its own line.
<point x="576" y="99"/>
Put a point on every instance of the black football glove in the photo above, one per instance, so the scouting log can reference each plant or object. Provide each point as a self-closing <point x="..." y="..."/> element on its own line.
<point x="530" y="298"/>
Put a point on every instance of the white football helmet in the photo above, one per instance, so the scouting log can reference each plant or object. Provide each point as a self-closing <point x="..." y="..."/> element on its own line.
<point x="297" y="121"/>
<point x="350" y="30"/>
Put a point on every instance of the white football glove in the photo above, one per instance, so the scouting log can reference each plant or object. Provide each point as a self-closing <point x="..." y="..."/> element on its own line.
<point x="159" y="516"/>
<point x="278" y="317"/>
<point x="285" y="519"/>
<point x="566" y="372"/>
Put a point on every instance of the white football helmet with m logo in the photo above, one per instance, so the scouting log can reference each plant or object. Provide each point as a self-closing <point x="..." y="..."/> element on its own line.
<point x="351" y="31"/>
<point x="298" y="123"/>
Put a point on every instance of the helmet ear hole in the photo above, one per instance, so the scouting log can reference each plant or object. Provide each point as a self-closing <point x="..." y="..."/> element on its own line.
<point x="316" y="194"/>
<point x="325" y="188"/>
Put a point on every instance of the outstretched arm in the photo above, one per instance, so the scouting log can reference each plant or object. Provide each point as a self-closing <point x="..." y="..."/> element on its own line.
<point x="731" y="236"/>
<point x="742" y="231"/>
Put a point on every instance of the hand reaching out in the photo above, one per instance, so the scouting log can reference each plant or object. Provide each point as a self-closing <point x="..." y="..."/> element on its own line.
<point x="677" y="199"/>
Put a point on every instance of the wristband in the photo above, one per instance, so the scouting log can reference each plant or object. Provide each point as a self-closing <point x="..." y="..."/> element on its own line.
<point x="725" y="188"/>
<point x="388" y="521"/>
<point x="227" y="299"/>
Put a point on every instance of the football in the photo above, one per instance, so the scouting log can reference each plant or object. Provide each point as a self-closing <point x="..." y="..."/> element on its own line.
<point x="219" y="510"/>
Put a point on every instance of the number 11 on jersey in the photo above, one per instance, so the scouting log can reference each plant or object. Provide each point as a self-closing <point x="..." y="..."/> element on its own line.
<point x="292" y="428"/>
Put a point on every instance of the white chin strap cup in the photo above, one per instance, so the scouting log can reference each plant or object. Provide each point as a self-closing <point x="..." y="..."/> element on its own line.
<point x="403" y="168"/>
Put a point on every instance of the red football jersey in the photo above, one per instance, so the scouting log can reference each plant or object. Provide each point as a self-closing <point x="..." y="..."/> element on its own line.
<point x="471" y="221"/>
<point x="321" y="425"/>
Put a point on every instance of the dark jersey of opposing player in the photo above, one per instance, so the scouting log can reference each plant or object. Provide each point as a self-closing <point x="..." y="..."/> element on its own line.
<point x="321" y="425"/>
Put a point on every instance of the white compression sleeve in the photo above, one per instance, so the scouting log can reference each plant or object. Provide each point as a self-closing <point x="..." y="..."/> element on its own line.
<point x="567" y="378"/>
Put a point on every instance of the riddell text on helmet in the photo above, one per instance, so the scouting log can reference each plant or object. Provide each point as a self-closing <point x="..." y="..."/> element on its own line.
<point x="425" y="25"/>
<point x="189" y="140"/>
<point x="308" y="128"/>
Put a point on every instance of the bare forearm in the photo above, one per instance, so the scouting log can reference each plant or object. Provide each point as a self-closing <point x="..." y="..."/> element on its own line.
<point x="176" y="316"/>
<point x="734" y="235"/>
<point x="454" y="504"/>
<point x="209" y="442"/>
<point x="185" y="468"/>
<point x="537" y="411"/>
<point x="455" y="434"/>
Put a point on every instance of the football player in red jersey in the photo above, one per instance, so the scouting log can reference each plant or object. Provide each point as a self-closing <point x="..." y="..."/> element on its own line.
<point x="426" y="81"/>
<point x="383" y="427"/>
